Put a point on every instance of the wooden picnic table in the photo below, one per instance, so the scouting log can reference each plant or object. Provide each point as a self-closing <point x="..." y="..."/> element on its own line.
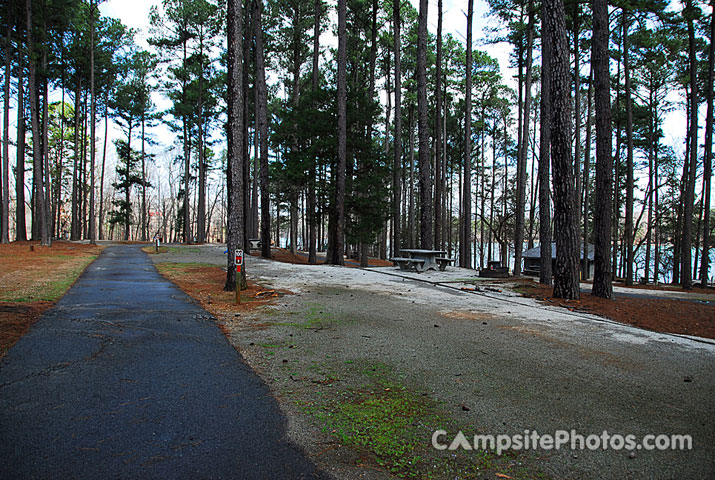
<point x="422" y="260"/>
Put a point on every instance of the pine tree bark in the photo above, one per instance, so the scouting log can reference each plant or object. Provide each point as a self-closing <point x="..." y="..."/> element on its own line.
<point x="57" y="189"/>
<point x="101" y="175"/>
<point x="92" y="220"/>
<point x="617" y="176"/>
<point x="465" y="254"/>
<point x="544" y="172"/>
<point x="312" y="237"/>
<point x="187" y="147"/>
<point x="585" y="270"/>
<point x="339" y="179"/>
<point x="262" y="122"/>
<point x="201" y="210"/>
<point x="20" y="219"/>
<point x="5" y="174"/>
<point x="425" y="181"/>
<point x="602" y="213"/>
<point x="128" y="189"/>
<point x="397" y="159"/>
<point x="47" y="186"/>
<point x="689" y="197"/>
<point x="523" y="148"/>
<point x="439" y="184"/>
<point x="575" y="21"/>
<point x="144" y="216"/>
<point x="235" y="143"/>
<point x="628" y="227"/>
<point x="75" y="227"/>
<point x="566" y="281"/>
<point x="248" y="30"/>
<point x="39" y="219"/>
<point x="708" y="160"/>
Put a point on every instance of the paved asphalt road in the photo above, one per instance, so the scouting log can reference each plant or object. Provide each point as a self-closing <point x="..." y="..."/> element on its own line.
<point x="127" y="378"/>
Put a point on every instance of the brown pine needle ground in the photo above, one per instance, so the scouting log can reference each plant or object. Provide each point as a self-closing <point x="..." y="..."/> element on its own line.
<point x="32" y="279"/>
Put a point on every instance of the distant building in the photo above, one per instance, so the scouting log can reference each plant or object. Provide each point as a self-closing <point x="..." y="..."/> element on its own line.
<point x="532" y="260"/>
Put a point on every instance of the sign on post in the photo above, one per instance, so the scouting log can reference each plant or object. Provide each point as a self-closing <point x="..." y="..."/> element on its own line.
<point x="239" y="260"/>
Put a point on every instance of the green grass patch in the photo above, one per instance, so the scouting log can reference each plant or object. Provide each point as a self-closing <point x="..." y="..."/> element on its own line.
<point x="184" y="250"/>
<point x="152" y="250"/>
<point x="316" y="317"/>
<point x="383" y="419"/>
<point x="391" y="424"/>
<point x="51" y="290"/>
<point x="386" y="422"/>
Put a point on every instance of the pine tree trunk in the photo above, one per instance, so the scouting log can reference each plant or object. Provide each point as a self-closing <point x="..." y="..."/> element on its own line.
<point x="656" y="209"/>
<point x="46" y="210"/>
<point x="411" y="206"/>
<point x="577" y="119"/>
<point x="678" y="240"/>
<point x="312" y="238"/>
<point x="523" y="149"/>
<point x="144" y="216"/>
<point x="20" y="219"/>
<point x="339" y="179"/>
<point x="128" y="189"/>
<point x="397" y="159"/>
<point x="566" y="281"/>
<point x="544" y="171"/>
<point x="187" y="154"/>
<point x="201" y="210"/>
<point x="57" y="190"/>
<point x="75" y="226"/>
<point x="465" y="258"/>
<point x="585" y="270"/>
<point x="101" y="177"/>
<point x="628" y="227"/>
<point x="39" y="219"/>
<point x="5" y="174"/>
<point x="84" y="231"/>
<point x="503" y="244"/>
<point x="235" y="143"/>
<point x="653" y="186"/>
<point x="602" y="211"/>
<point x="425" y="180"/>
<point x="689" y="198"/>
<point x="262" y="125"/>
<point x="363" y="247"/>
<point x="248" y="31"/>
<point x="482" y="192"/>
<point x="92" y="221"/>
<point x="617" y="180"/>
<point x="707" y="162"/>
<point x="439" y="185"/>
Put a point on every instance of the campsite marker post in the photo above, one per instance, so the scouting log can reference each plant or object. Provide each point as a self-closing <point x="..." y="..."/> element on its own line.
<point x="239" y="263"/>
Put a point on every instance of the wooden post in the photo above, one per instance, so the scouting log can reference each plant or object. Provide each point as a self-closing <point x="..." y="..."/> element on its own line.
<point x="238" y="262"/>
<point x="238" y="284"/>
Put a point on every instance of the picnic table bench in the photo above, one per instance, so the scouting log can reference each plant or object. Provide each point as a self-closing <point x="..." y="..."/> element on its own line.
<point x="422" y="260"/>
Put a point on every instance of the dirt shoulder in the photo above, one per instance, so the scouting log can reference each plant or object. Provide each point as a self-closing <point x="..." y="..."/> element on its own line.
<point x="368" y="364"/>
<point x="32" y="279"/>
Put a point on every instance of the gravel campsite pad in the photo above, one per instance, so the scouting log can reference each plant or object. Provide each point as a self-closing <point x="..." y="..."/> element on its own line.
<point x="367" y="364"/>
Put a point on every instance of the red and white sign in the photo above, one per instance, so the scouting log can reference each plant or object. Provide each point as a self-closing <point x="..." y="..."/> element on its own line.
<point x="239" y="260"/>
